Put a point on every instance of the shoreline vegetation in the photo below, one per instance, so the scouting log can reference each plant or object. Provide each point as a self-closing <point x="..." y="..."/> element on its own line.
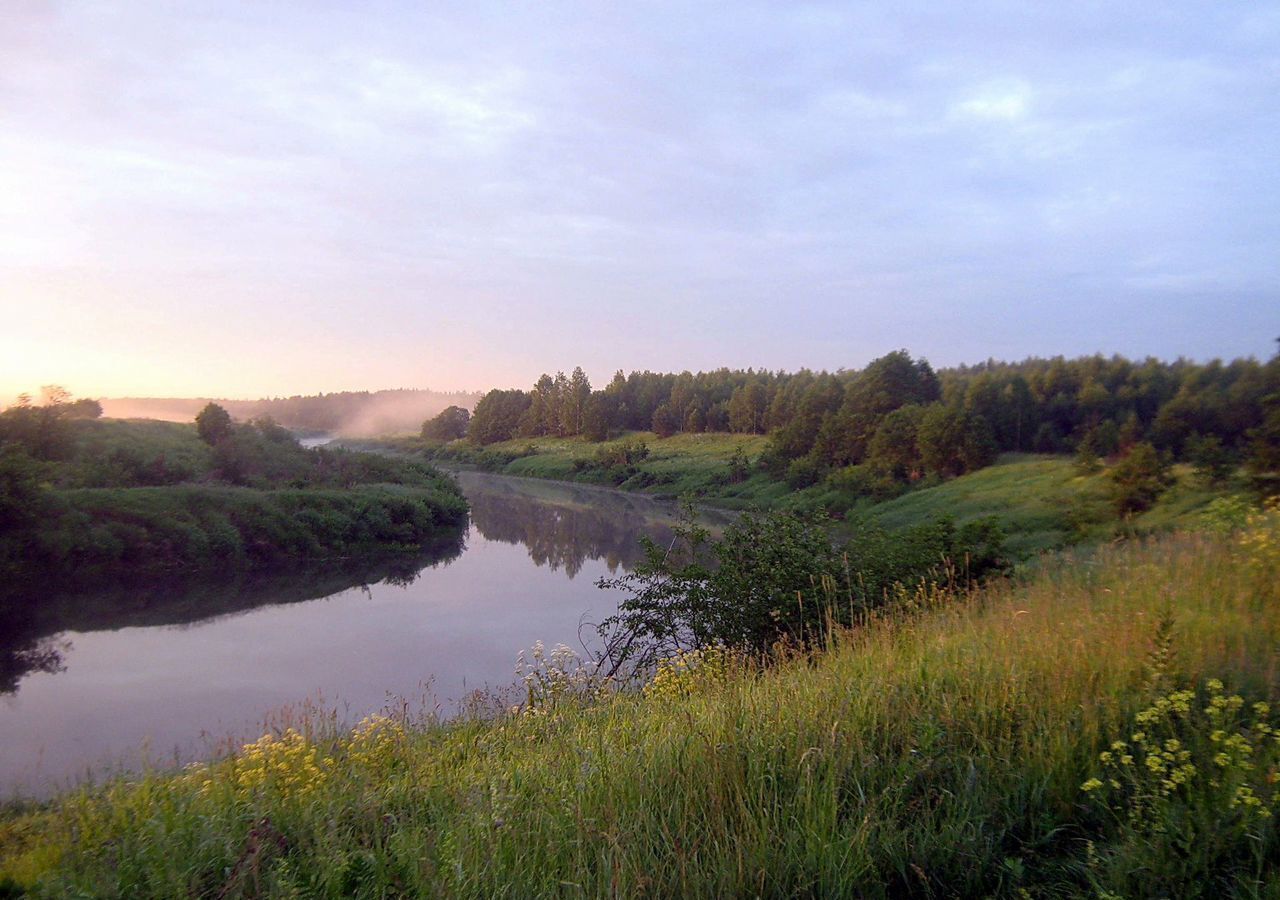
<point x="1064" y="451"/>
<point x="1101" y="724"/>
<point x="83" y="499"/>
<point x="1043" y="502"/>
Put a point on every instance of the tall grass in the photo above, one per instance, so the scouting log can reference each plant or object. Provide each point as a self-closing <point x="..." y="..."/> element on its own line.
<point x="939" y="751"/>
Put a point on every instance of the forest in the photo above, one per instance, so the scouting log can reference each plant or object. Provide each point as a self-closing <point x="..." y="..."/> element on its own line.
<point x="900" y="419"/>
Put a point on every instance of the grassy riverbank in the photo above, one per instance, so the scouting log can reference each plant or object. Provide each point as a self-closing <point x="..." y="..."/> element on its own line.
<point x="130" y="500"/>
<point x="940" y="750"/>
<point x="1043" y="502"/>
<point x="147" y="531"/>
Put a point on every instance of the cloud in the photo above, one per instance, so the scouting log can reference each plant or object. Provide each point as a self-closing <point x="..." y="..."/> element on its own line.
<point x="574" y="183"/>
<point x="1008" y="102"/>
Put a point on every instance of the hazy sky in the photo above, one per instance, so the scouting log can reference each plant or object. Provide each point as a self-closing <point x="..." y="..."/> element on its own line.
<point x="248" y="198"/>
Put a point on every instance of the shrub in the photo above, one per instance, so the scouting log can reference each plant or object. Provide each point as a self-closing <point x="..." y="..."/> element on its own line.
<point x="1138" y="479"/>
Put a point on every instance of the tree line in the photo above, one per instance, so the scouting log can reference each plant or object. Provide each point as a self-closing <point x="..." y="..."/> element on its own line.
<point x="900" y="418"/>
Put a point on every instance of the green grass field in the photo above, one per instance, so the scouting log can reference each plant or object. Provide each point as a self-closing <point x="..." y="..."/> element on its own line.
<point x="941" y="750"/>
<point x="1043" y="502"/>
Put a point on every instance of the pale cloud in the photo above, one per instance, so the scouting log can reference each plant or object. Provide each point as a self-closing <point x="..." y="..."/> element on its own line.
<point x="663" y="186"/>
<point x="1004" y="101"/>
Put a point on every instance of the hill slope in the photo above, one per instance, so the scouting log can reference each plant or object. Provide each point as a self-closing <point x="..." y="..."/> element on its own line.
<point x="942" y="750"/>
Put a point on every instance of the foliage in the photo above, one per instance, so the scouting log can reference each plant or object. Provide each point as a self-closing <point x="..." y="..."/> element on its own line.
<point x="449" y="425"/>
<point x="213" y="424"/>
<point x="894" y="449"/>
<point x="1191" y="791"/>
<point x="44" y="431"/>
<point x="952" y="442"/>
<point x="133" y="532"/>
<point x="1213" y="462"/>
<point x="1103" y="405"/>
<point x="497" y="416"/>
<point x="559" y="678"/>
<point x="131" y="499"/>
<point x="349" y="413"/>
<point x="777" y="579"/>
<point x="691" y="672"/>
<point x="23" y="503"/>
<point x="1138" y="479"/>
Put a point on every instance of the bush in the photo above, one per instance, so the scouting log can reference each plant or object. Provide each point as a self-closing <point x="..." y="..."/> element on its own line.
<point x="776" y="577"/>
<point x="1138" y="479"/>
<point x="865" y="481"/>
<point x="803" y="473"/>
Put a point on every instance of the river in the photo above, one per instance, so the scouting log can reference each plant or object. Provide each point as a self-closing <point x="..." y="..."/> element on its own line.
<point x="94" y="683"/>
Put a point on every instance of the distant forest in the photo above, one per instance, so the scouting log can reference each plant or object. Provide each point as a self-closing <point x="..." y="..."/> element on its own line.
<point x="902" y="418"/>
<point x="351" y="413"/>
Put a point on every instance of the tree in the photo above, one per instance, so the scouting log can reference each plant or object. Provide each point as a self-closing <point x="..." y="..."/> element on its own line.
<point x="84" y="408"/>
<point x="22" y="500"/>
<point x="953" y="442"/>
<point x="887" y="383"/>
<point x="694" y="420"/>
<point x="894" y="449"/>
<point x="1213" y="462"/>
<point x="497" y="416"/>
<point x="665" y="420"/>
<point x="213" y="424"/>
<point x="595" y="422"/>
<point x="768" y="578"/>
<point x="1139" y="479"/>
<point x="574" y="401"/>
<point x="449" y="425"/>
<point x="747" y="408"/>
<point x="941" y="434"/>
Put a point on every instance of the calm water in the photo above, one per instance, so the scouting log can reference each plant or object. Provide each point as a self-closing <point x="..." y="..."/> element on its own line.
<point x="86" y="682"/>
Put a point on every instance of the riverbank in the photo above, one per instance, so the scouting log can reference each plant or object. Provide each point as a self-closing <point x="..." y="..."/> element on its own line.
<point x="945" y="750"/>
<point x="130" y="501"/>
<point x="1043" y="502"/>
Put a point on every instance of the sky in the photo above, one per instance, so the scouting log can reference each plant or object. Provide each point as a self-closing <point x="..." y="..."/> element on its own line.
<point x="242" y="199"/>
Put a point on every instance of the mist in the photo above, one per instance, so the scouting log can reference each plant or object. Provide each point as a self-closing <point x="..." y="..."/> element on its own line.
<point x="347" y="414"/>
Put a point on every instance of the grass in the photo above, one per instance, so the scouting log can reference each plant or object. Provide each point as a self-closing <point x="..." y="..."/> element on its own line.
<point x="145" y="531"/>
<point x="939" y="751"/>
<point x="125" y="500"/>
<point x="1043" y="502"/>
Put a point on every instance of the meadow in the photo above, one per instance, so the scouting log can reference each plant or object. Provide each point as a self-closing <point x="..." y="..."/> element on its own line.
<point x="1100" y="725"/>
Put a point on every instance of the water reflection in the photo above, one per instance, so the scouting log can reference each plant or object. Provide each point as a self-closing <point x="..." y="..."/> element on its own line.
<point x="30" y="618"/>
<point x="87" y="678"/>
<point x="564" y="525"/>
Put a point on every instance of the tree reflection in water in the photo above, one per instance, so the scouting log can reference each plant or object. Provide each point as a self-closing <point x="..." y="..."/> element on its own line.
<point x="565" y="525"/>
<point x="32" y="616"/>
<point x="561" y="525"/>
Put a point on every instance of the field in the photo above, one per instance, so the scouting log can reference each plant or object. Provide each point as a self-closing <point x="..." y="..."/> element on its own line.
<point x="961" y="745"/>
